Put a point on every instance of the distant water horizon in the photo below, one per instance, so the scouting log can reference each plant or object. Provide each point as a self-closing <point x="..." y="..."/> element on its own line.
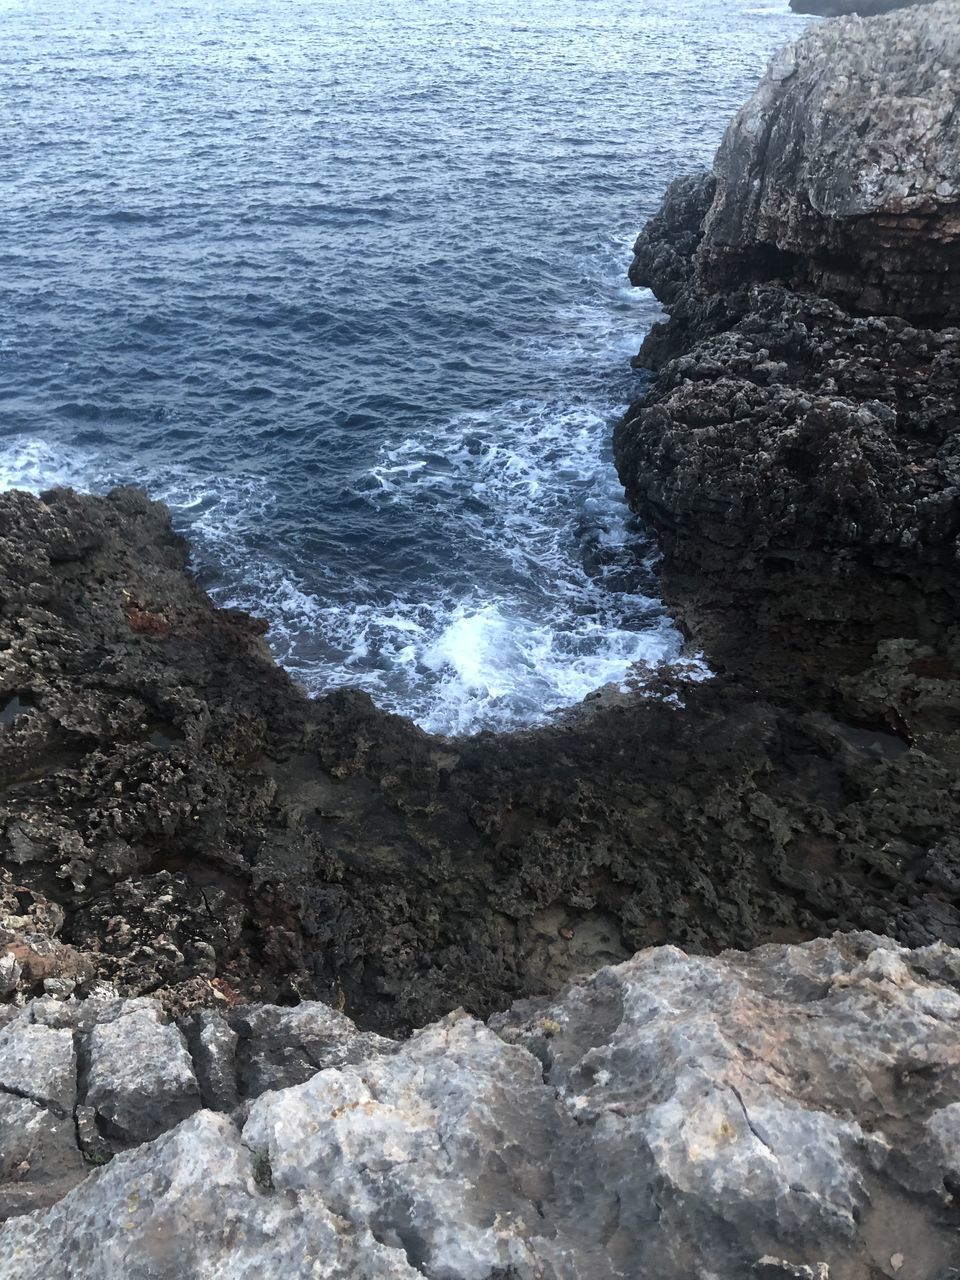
<point x="344" y="283"/>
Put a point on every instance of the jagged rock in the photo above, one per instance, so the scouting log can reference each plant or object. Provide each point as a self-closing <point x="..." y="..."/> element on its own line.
<point x="800" y="460"/>
<point x="39" y="1158"/>
<point x="328" y="849"/>
<point x="786" y="1112"/>
<point x="282" y="1047"/>
<point x="213" y="1045"/>
<point x="39" y="1062"/>
<point x="140" y="1078"/>
<point x="841" y="175"/>
<point x="189" y="1205"/>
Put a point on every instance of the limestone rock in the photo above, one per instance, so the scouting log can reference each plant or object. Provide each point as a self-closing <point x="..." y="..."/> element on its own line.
<point x="784" y="1112"/>
<point x="39" y="1159"/>
<point x="39" y="1062"/>
<point x="280" y="1047"/>
<point x="189" y="1205"/>
<point x="213" y="1043"/>
<point x="841" y="175"/>
<point x="796" y="452"/>
<point x="140" y="1076"/>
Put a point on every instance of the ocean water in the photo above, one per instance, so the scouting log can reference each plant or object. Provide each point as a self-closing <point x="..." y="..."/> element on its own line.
<point x="344" y="283"/>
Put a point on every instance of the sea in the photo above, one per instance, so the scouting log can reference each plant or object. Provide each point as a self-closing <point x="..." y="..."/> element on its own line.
<point x="343" y="282"/>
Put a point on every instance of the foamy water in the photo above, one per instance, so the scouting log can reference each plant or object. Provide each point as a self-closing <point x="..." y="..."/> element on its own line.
<point x="362" y="321"/>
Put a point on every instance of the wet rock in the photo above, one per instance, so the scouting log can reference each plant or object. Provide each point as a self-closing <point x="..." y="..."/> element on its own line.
<point x="213" y="839"/>
<point x="797" y="451"/>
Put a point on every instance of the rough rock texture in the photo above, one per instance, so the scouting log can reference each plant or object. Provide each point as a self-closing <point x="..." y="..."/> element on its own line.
<point x="841" y="175"/>
<point x="794" y="1112"/>
<point x="799" y="450"/>
<point x="178" y="820"/>
<point x="81" y="1080"/>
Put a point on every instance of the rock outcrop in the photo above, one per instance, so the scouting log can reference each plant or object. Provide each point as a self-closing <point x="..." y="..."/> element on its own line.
<point x="178" y="820"/>
<point x="794" y="1112"/>
<point x="798" y="451"/>
<point x="841" y="175"/>
<point x="846" y="8"/>
<point x="220" y="901"/>
<point x="81" y="1080"/>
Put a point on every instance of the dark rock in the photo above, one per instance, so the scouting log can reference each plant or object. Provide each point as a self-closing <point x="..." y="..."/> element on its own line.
<point x="326" y="849"/>
<point x="799" y="459"/>
<point x="844" y="8"/>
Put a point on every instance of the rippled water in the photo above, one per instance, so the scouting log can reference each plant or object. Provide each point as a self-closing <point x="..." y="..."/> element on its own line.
<point x="344" y="283"/>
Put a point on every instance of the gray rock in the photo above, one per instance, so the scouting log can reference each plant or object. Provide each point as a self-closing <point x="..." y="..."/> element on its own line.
<point x="279" y="1047"/>
<point x="40" y="1063"/>
<point x="213" y="1044"/>
<point x="140" y="1078"/>
<point x="39" y="1160"/>
<point x="842" y="172"/>
<point x="188" y="1205"/>
<point x="787" y="1112"/>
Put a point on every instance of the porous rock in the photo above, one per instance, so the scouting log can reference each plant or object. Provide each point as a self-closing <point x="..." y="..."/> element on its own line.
<point x="797" y="451"/>
<point x="261" y="846"/>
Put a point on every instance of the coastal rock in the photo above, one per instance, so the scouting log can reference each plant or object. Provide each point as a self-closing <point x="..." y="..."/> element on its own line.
<point x="846" y="8"/>
<point x="790" y="1111"/>
<point x="82" y="1080"/>
<point x="797" y="451"/>
<point x="235" y="843"/>
<point x="841" y="175"/>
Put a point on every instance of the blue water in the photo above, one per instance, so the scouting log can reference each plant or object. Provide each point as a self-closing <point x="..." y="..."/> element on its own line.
<point x="343" y="281"/>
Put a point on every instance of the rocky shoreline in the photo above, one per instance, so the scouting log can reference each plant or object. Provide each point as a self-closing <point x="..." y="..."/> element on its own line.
<point x="195" y="855"/>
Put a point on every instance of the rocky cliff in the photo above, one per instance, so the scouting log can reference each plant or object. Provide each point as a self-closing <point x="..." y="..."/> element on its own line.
<point x="223" y="905"/>
<point x="798" y="449"/>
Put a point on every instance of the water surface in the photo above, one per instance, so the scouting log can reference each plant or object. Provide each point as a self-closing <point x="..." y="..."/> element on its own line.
<point x="344" y="283"/>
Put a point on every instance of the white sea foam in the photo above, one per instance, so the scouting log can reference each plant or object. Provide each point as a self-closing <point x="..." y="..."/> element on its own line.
<point x="527" y="490"/>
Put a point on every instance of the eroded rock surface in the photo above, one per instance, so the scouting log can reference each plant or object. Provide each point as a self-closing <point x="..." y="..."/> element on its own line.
<point x="789" y="1112"/>
<point x="259" y="846"/>
<point x="799" y="449"/>
<point x="841" y="175"/>
<point x="81" y="1080"/>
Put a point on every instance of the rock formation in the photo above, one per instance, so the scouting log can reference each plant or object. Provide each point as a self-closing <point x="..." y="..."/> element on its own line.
<point x="180" y="821"/>
<point x="845" y="8"/>
<point x="221" y="902"/>
<point x="798" y="450"/>
<point x="794" y="1112"/>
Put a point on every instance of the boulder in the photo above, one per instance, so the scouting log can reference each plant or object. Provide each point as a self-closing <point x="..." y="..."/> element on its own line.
<point x="790" y="1111"/>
